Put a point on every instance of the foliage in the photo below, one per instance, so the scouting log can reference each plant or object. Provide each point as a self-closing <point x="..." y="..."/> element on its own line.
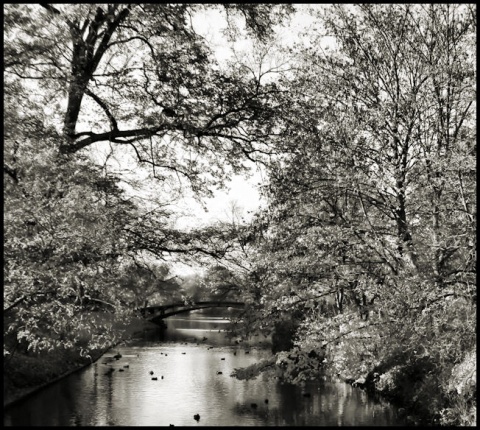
<point x="461" y="388"/>
<point x="255" y="369"/>
<point x="221" y="283"/>
<point x="63" y="245"/>
<point x="149" y="282"/>
<point x="367" y="245"/>
<point x="370" y="226"/>
<point x="140" y="77"/>
<point x="89" y="87"/>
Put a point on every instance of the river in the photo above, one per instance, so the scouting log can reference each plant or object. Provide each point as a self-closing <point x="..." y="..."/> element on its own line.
<point x="187" y="359"/>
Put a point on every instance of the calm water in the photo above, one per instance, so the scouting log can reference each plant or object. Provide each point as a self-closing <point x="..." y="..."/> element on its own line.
<point x="192" y="385"/>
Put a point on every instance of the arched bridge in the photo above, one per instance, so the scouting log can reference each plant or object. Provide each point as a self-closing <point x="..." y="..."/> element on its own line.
<point x="157" y="313"/>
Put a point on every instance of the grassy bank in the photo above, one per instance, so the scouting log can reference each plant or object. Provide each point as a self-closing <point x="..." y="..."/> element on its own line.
<point x="24" y="374"/>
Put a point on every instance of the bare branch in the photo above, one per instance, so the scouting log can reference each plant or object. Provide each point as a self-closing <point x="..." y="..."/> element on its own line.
<point x="50" y="8"/>
<point x="103" y="105"/>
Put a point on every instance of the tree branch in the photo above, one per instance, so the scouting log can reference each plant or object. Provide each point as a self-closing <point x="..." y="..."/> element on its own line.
<point x="102" y="104"/>
<point x="138" y="133"/>
<point x="11" y="172"/>
<point x="50" y="8"/>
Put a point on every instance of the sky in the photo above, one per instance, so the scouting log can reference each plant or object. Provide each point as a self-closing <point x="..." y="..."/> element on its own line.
<point x="242" y="191"/>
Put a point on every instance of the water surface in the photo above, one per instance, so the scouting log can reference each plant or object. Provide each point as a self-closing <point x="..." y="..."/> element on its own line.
<point x="187" y="360"/>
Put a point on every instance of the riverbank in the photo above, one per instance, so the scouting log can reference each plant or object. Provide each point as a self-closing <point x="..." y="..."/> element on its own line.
<point x="24" y="375"/>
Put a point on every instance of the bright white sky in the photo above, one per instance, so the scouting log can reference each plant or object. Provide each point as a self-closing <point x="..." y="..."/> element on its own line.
<point x="241" y="191"/>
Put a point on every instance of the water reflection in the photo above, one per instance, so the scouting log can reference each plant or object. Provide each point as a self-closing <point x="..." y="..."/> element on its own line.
<point x="189" y="382"/>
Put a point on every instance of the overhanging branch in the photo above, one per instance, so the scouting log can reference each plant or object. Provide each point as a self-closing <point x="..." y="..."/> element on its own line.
<point x="50" y="8"/>
<point x="102" y="104"/>
<point x="110" y="136"/>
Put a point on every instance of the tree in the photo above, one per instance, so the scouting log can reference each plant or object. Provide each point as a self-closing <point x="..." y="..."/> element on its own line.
<point x="149" y="283"/>
<point x="63" y="246"/>
<point x="139" y="76"/>
<point x="135" y="79"/>
<point x="370" y="226"/>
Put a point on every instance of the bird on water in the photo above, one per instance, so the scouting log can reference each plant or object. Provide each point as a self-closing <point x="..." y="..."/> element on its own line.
<point x="196" y="417"/>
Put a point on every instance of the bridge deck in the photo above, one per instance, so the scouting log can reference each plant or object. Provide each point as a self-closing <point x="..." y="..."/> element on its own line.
<point x="159" y="312"/>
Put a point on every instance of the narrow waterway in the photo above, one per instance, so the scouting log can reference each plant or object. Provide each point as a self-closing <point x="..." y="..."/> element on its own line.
<point x="192" y="361"/>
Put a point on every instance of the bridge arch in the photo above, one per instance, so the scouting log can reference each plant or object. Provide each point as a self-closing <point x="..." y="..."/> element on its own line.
<point x="157" y="314"/>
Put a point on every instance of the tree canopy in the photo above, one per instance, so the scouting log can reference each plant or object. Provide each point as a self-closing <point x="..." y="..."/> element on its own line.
<point x="368" y="239"/>
<point x="139" y="76"/>
<point x="139" y="81"/>
<point x="363" y="262"/>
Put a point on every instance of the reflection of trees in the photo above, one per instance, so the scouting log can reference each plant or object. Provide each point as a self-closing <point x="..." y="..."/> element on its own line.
<point x="330" y="403"/>
<point x="109" y="404"/>
<point x="340" y="404"/>
<point x="245" y="410"/>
